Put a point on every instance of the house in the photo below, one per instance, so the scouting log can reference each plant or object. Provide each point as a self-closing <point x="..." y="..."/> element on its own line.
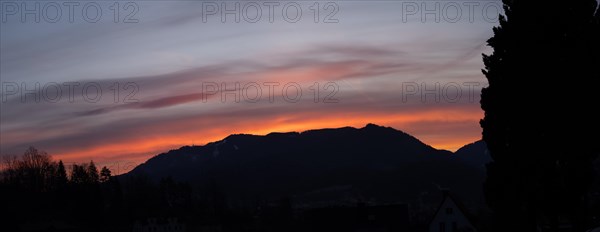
<point x="451" y="216"/>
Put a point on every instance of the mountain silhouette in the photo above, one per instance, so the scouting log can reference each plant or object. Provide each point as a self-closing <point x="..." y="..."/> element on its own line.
<point x="475" y="154"/>
<point x="325" y="166"/>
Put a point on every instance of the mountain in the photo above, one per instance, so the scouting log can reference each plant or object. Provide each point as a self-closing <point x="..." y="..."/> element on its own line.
<point x="475" y="154"/>
<point x="372" y="163"/>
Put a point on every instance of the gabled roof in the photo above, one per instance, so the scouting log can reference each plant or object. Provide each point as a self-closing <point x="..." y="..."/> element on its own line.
<point x="459" y="205"/>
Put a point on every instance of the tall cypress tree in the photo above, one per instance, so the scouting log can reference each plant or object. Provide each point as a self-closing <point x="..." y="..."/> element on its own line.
<point x="93" y="173"/>
<point x="539" y="112"/>
<point x="61" y="176"/>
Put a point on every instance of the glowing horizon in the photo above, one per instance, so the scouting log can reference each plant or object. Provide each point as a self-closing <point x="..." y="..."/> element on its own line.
<point x="370" y="68"/>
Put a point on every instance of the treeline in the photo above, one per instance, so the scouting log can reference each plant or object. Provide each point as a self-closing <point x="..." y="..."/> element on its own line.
<point x="36" y="191"/>
<point x="36" y="171"/>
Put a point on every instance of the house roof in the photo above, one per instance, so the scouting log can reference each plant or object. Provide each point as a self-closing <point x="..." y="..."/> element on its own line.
<point x="459" y="205"/>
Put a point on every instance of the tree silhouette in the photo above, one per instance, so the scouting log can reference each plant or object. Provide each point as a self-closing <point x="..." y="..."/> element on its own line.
<point x="539" y="115"/>
<point x="105" y="174"/>
<point x="61" y="176"/>
<point x="33" y="172"/>
<point x="79" y="174"/>
<point x="92" y="171"/>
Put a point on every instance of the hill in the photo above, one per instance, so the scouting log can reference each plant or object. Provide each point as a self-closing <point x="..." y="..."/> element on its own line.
<point x="322" y="167"/>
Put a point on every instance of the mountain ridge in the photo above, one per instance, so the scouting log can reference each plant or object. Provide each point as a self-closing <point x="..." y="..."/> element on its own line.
<point x="373" y="162"/>
<point x="291" y="133"/>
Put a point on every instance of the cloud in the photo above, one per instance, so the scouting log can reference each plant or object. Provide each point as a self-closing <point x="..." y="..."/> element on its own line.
<point x="170" y="111"/>
<point x="161" y="129"/>
<point x="153" y="104"/>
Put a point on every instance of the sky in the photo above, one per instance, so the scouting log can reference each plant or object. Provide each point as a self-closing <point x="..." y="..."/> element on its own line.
<point x="142" y="78"/>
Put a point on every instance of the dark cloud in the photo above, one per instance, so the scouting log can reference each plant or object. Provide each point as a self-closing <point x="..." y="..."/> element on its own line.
<point x="153" y="104"/>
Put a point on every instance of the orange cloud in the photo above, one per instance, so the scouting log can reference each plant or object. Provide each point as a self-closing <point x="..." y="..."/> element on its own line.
<point x="140" y="148"/>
